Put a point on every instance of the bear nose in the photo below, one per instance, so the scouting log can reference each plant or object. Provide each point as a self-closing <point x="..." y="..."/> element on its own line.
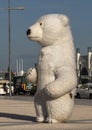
<point x="28" y="31"/>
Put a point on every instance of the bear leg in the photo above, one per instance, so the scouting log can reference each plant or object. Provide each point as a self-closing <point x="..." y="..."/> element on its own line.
<point x="59" y="110"/>
<point x="40" y="108"/>
<point x="39" y="114"/>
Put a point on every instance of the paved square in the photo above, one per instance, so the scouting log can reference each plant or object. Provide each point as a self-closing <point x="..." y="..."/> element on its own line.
<point x="18" y="113"/>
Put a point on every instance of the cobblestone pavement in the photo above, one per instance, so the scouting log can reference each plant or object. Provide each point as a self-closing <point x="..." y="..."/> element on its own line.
<point x="18" y="113"/>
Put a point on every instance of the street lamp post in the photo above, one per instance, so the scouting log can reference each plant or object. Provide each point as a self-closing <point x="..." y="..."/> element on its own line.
<point x="9" y="37"/>
<point x="9" y="29"/>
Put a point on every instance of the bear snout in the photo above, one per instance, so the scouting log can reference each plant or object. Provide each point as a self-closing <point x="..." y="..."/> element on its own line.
<point x="28" y="31"/>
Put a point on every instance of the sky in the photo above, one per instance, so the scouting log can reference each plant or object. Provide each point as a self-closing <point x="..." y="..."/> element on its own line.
<point x="78" y="11"/>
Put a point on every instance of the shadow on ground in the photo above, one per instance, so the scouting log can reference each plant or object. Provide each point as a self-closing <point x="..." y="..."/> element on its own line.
<point x="17" y="116"/>
<point x="33" y="119"/>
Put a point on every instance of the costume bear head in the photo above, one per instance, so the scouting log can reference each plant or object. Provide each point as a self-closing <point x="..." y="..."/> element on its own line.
<point x="48" y="29"/>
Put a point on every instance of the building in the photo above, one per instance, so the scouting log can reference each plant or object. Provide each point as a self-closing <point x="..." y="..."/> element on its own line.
<point x="84" y="66"/>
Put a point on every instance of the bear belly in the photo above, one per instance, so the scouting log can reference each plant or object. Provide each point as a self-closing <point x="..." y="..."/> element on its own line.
<point x="45" y="72"/>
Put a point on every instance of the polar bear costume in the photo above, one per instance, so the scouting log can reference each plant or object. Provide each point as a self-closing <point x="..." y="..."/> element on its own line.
<point x="56" y="70"/>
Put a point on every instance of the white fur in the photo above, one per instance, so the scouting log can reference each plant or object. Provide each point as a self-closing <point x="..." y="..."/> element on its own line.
<point x="31" y="75"/>
<point x="56" y="68"/>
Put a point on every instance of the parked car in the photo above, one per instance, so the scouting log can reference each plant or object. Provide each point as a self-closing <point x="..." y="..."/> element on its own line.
<point x="4" y="87"/>
<point x="84" y="91"/>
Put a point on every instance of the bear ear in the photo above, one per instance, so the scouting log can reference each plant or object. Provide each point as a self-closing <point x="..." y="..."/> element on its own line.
<point x="65" y="19"/>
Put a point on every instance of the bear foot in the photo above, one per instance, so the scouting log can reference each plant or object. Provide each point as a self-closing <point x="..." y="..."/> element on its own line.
<point x="40" y="119"/>
<point x="49" y="120"/>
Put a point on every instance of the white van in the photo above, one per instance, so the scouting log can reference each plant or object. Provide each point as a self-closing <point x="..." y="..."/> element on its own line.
<point x="4" y="87"/>
<point x="2" y="90"/>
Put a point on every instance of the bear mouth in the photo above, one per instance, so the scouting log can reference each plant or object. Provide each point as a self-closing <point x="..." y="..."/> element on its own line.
<point x="33" y="38"/>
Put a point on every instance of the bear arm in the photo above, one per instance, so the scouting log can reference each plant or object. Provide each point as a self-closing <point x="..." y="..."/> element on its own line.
<point x="64" y="83"/>
<point x="32" y="75"/>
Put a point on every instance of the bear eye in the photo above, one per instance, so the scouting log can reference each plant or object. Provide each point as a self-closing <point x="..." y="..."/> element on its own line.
<point x="40" y="24"/>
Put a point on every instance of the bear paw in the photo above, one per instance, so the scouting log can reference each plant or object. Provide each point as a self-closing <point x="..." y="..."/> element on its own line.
<point x="50" y="120"/>
<point x="40" y="119"/>
<point x="31" y="75"/>
<point x="46" y="90"/>
<point x="50" y="92"/>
